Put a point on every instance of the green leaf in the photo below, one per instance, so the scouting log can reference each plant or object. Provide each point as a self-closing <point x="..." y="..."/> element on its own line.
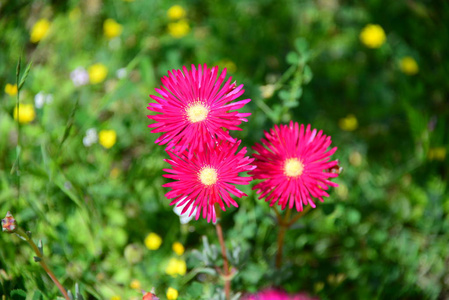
<point x="307" y="74"/>
<point x="291" y="104"/>
<point x="209" y="271"/>
<point x="37" y="295"/>
<point x="18" y="68"/>
<point x="18" y="294"/>
<point x="284" y="95"/>
<point x="195" y="290"/>
<point x="301" y="45"/>
<point x="78" y="295"/>
<point x="69" y="123"/>
<point x="292" y="58"/>
<point x="25" y="75"/>
<point x="353" y="216"/>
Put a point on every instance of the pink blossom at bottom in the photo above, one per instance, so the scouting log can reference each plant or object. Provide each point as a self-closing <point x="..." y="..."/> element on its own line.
<point x="276" y="294"/>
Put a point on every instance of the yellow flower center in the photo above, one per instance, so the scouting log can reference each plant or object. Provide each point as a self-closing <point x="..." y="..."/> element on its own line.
<point x="197" y="112"/>
<point x="293" y="167"/>
<point x="208" y="176"/>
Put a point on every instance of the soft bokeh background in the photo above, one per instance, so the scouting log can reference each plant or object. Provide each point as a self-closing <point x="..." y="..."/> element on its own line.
<point x="91" y="175"/>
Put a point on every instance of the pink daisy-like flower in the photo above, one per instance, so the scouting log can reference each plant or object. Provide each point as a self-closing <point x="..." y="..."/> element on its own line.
<point x="294" y="165"/>
<point x="195" y="108"/>
<point x="208" y="177"/>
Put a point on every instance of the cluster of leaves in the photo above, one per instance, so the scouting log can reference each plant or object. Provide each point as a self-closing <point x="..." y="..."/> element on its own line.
<point x="382" y="234"/>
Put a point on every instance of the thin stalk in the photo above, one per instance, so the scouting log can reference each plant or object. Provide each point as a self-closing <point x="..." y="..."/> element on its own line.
<point x="284" y="226"/>
<point x="22" y="234"/>
<point x="278" y="215"/>
<point x="227" y="278"/>
<point x="299" y="215"/>
<point x="18" y="127"/>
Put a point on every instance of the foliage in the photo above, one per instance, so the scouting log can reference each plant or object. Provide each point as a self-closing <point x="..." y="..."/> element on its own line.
<point x="381" y="234"/>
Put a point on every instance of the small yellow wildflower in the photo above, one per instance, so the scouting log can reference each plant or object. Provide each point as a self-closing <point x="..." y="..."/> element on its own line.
<point x="97" y="73"/>
<point x="39" y="30"/>
<point x="178" y="29"/>
<point x="153" y="241"/>
<point x="176" y="267"/>
<point x="135" y="284"/>
<point x="172" y="294"/>
<point x="176" y="12"/>
<point x="112" y="29"/>
<point x="437" y="153"/>
<point x="107" y="138"/>
<point x="372" y="36"/>
<point x="26" y="113"/>
<point x="116" y="297"/>
<point x="11" y="89"/>
<point x="349" y="123"/>
<point x="408" y="66"/>
<point x="178" y="248"/>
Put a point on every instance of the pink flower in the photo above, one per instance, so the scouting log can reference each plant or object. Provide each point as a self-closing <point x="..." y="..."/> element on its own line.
<point x="293" y="165"/>
<point x="269" y="294"/>
<point x="208" y="177"/>
<point x="195" y="108"/>
<point x="275" y="294"/>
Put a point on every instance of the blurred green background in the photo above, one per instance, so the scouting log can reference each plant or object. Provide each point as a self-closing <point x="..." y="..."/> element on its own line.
<point x="91" y="175"/>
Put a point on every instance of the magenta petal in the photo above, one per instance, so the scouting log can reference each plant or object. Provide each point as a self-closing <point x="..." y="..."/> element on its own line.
<point x="309" y="149"/>
<point x="185" y="88"/>
<point x="227" y="161"/>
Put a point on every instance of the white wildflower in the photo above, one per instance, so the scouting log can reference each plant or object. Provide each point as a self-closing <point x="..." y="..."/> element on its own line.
<point x="79" y="76"/>
<point x="91" y="137"/>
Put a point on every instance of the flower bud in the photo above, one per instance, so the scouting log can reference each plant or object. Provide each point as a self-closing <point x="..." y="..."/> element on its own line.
<point x="9" y="223"/>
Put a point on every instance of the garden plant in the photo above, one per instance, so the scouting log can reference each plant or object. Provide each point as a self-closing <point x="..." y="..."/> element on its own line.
<point x="224" y="149"/>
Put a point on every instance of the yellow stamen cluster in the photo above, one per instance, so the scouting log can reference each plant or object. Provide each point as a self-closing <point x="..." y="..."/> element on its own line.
<point x="197" y="112"/>
<point x="208" y="176"/>
<point x="293" y="167"/>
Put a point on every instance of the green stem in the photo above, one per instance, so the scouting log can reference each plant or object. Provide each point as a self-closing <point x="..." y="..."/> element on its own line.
<point x="22" y="234"/>
<point x="299" y="215"/>
<point x="284" y="223"/>
<point x="226" y="274"/>
<point x="18" y="148"/>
